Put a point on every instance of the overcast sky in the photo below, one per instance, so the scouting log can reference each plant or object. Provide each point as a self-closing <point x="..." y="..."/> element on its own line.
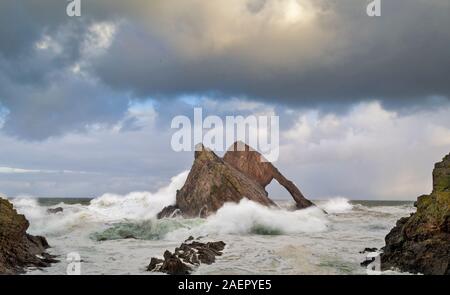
<point x="86" y="102"/>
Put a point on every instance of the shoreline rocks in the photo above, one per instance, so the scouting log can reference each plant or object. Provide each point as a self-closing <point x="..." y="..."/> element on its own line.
<point x="19" y="250"/>
<point x="187" y="257"/>
<point x="421" y="243"/>
<point x="214" y="181"/>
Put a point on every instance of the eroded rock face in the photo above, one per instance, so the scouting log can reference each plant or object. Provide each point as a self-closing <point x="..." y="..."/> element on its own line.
<point x="253" y="165"/>
<point x="18" y="249"/>
<point x="421" y="243"/>
<point x="187" y="257"/>
<point x="214" y="181"/>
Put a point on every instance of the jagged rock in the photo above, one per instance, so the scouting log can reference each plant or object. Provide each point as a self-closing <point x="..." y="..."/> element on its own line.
<point x="18" y="249"/>
<point x="214" y="181"/>
<point x="368" y="250"/>
<point x="169" y="211"/>
<point x="368" y="261"/>
<point x="421" y="243"/>
<point x="55" y="210"/>
<point x="187" y="257"/>
<point x="155" y="264"/>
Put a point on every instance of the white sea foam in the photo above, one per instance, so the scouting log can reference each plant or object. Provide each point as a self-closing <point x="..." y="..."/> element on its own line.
<point x="337" y="205"/>
<point x="326" y="244"/>
<point x="138" y="205"/>
<point x="108" y="208"/>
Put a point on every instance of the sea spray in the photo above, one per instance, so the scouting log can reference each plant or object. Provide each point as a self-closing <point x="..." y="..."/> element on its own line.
<point x="106" y="209"/>
<point x="247" y="217"/>
<point x="138" y="205"/>
<point x="337" y="205"/>
<point x="134" y="215"/>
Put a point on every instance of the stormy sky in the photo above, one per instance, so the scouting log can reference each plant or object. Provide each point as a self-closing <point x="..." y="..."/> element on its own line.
<point x="86" y="102"/>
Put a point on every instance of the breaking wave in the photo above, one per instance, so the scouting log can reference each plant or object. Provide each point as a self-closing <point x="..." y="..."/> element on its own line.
<point x="245" y="217"/>
<point x="112" y="217"/>
<point x="337" y="205"/>
<point x="108" y="208"/>
<point x="250" y="217"/>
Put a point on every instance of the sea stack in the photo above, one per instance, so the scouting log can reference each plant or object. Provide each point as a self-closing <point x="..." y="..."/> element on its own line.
<point x="421" y="243"/>
<point x="18" y="249"/>
<point x="214" y="181"/>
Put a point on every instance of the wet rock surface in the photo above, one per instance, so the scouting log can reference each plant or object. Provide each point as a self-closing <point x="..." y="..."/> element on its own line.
<point x="55" y="210"/>
<point x="19" y="250"/>
<point x="421" y="243"/>
<point x="214" y="181"/>
<point x="188" y="256"/>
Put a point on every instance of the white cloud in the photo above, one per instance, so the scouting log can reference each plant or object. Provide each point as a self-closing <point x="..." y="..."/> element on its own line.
<point x="48" y="43"/>
<point x="369" y="152"/>
<point x="99" y="37"/>
<point x="12" y="170"/>
<point x="3" y="114"/>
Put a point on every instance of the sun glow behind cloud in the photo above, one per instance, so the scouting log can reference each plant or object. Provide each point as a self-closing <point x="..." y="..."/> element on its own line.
<point x="295" y="11"/>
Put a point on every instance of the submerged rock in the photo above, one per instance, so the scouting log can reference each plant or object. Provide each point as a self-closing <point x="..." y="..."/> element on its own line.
<point x="187" y="257"/>
<point x="55" y="210"/>
<point x="214" y="181"/>
<point x="368" y="250"/>
<point x="421" y="243"/>
<point x="18" y="249"/>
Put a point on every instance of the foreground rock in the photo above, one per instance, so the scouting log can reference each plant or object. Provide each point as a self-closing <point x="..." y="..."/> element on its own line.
<point x="421" y="243"/>
<point x="18" y="249"/>
<point x="187" y="257"/>
<point x="214" y="181"/>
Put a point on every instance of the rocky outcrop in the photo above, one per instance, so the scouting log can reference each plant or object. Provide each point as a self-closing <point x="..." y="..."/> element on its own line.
<point x="18" y="249"/>
<point x="187" y="257"/>
<point x="421" y="243"/>
<point x="214" y="181"/>
<point x="253" y="165"/>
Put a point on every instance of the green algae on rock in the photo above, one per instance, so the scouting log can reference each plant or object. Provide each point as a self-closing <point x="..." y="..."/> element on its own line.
<point x="421" y="243"/>
<point x="18" y="249"/>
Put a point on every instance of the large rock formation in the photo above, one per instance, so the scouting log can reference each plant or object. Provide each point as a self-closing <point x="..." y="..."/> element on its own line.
<point x="253" y="165"/>
<point x="214" y="181"/>
<point x="421" y="243"/>
<point x="18" y="249"/>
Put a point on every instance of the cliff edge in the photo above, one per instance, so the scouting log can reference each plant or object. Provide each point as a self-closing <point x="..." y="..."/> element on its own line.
<point x="421" y="243"/>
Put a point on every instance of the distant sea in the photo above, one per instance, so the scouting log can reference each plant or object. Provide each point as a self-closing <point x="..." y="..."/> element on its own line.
<point x="85" y="201"/>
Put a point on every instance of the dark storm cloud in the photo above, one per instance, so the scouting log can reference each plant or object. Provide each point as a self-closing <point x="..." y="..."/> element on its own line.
<point x="300" y="53"/>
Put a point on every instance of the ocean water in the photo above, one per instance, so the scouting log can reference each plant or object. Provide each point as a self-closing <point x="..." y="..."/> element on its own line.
<point x="119" y="234"/>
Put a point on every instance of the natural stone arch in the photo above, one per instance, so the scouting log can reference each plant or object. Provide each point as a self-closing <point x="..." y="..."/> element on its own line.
<point x="251" y="163"/>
